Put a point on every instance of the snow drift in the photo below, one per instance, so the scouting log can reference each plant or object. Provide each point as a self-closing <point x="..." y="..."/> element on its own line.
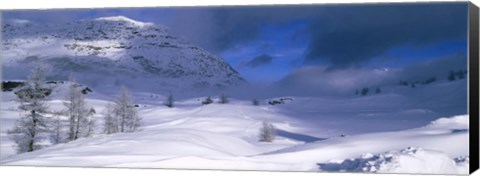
<point x="410" y="160"/>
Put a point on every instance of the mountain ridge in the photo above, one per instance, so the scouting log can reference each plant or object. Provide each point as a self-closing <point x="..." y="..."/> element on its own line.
<point x="115" y="50"/>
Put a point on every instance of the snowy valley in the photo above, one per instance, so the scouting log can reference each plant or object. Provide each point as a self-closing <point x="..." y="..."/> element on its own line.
<point x="225" y="136"/>
<point x="417" y="128"/>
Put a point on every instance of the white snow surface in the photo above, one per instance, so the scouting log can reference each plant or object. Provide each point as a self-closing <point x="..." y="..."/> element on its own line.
<point x="411" y="160"/>
<point x="224" y="136"/>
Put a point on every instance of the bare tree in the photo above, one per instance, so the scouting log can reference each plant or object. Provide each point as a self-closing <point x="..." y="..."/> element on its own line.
<point x="365" y="91"/>
<point x="255" y="102"/>
<point x="90" y="125"/>
<point x="33" y="121"/>
<point x="169" y="102"/>
<point x="79" y="114"/>
<point x="126" y="113"/>
<point x="451" y="75"/>
<point x="57" y="126"/>
<point x="110" y="120"/>
<point x="267" y="132"/>
<point x="223" y="99"/>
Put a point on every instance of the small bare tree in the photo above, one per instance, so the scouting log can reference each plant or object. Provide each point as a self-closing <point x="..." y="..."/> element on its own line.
<point x="267" y="132"/>
<point x="90" y="125"/>
<point x="110" y="120"/>
<point x="80" y="122"/>
<point x="223" y="99"/>
<point x="169" y="102"/>
<point x="57" y="126"/>
<point x="255" y="102"/>
<point x="126" y="113"/>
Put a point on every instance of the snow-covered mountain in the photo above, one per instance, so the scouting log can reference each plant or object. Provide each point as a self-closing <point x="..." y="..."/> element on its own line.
<point x="113" y="51"/>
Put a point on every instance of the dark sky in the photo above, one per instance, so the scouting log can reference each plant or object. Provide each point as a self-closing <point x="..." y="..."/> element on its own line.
<point x="267" y="43"/>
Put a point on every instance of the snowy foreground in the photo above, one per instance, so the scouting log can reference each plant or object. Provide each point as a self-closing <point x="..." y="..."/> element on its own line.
<point x="225" y="136"/>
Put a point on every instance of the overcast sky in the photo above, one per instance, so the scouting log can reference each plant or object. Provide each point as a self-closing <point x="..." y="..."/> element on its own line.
<point x="267" y="43"/>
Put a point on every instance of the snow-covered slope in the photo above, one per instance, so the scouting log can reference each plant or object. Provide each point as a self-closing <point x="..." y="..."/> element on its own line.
<point x="113" y="51"/>
<point x="224" y="136"/>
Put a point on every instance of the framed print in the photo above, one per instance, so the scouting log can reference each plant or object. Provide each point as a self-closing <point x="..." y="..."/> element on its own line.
<point x="357" y="88"/>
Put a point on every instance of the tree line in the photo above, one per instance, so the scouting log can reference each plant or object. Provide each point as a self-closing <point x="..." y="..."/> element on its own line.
<point x="37" y="121"/>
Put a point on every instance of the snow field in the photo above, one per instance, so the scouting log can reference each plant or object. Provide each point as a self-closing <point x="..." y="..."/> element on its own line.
<point x="225" y="136"/>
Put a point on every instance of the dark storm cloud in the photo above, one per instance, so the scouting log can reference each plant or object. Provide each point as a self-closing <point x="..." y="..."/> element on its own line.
<point x="261" y="60"/>
<point x="356" y="34"/>
<point x="221" y="28"/>
<point x="341" y="35"/>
